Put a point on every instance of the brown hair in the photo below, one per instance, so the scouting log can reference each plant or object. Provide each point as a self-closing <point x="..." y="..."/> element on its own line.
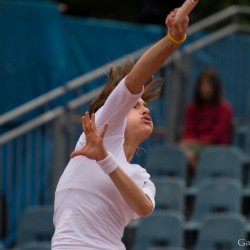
<point x="211" y="76"/>
<point x="152" y="87"/>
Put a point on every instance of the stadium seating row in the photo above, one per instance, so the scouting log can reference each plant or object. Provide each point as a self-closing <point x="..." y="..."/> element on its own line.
<point x="220" y="231"/>
<point x="160" y="230"/>
<point x="219" y="195"/>
<point x="214" y="162"/>
<point x="217" y="187"/>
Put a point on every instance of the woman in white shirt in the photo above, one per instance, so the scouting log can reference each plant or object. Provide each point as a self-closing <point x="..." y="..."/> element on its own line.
<point x="100" y="191"/>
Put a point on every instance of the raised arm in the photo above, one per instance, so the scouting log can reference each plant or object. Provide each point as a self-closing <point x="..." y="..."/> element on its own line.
<point x="155" y="56"/>
<point x="125" y="95"/>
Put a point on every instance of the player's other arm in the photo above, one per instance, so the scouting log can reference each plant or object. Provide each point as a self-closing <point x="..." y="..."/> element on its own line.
<point x="94" y="149"/>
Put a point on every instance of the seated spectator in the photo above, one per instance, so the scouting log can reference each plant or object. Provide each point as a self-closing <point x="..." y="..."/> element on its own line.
<point x="208" y="117"/>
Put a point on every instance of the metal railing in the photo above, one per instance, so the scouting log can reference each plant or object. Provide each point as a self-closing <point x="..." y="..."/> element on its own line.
<point x="34" y="154"/>
<point x="229" y="13"/>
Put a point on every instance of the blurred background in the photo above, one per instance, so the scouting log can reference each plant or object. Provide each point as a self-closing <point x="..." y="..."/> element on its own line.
<point x="54" y="57"/>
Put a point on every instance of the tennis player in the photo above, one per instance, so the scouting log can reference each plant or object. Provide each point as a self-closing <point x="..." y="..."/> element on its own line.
<point x="100" y="191"/>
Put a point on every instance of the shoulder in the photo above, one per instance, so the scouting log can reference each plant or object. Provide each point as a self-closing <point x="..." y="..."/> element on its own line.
<point x="225" y="103"/>
<point x="122" y="87"/>
<point x="226" y="106"/>
<point x="191" y="107"/>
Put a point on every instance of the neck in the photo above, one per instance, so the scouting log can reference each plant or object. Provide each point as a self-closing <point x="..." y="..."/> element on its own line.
<point x="130" y="149"/>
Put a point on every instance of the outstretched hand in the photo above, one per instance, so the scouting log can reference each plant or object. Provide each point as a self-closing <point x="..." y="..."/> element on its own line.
<point x="94" y="148"/>
<point x="177" y="28"/>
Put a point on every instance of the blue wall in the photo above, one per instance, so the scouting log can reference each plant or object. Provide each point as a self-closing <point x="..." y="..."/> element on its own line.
<point x="41" y="49"/>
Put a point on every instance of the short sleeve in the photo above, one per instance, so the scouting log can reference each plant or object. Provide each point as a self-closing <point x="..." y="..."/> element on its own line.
<point x="114" y="111"/>
<point x="142" y="179"/>
<point x="149" y="190"/>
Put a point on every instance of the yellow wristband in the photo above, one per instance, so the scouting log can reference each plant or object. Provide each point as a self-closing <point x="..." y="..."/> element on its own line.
<point x="176" y="41"/>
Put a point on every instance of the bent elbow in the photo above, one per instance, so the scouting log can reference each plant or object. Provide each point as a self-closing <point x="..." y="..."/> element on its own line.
<point x="146" y="210"/>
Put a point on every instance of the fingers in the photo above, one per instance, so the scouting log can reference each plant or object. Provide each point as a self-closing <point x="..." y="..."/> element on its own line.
<point x="75" y="153"/>
<point x="84" y="124"/>
<point x="171" y="20"/>
<point x="89" y="125"/>
<point x="176" y="27"/>
<point x="92" y="124"/>
<point x="174" y="12"/>
<point x="185" y="22"/>
<point x="87" y="122"/>
<point x="104" y="130"/>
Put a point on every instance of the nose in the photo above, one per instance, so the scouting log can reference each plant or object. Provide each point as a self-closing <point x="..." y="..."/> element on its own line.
<point x="145" y="111"/>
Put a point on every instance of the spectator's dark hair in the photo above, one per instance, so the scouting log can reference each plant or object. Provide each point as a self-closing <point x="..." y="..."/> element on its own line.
<point x="210" y="76"/>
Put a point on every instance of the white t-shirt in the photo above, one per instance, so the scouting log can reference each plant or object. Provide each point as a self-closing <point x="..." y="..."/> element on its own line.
<point x="89" y="211"/>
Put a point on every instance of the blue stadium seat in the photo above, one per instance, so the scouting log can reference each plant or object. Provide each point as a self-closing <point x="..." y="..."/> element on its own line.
<point x="214" y="197"/>
<point x="221" y="232"/>
<point x="160" y="229"/>
<point x="166" y="248"/>
<point x="35" y="246"/>
<point x="36" y="225"/>
<point x="247" y="188"/>
<point x="169" y="193"/>
<point x="167" y="160"/>
<point x="219" y="162"/>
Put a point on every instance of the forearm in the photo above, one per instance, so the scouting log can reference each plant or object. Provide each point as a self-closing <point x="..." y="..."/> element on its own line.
<point x="134" y="196"/>
<point x="153" y="59"/>
<point x="149" y="63"/>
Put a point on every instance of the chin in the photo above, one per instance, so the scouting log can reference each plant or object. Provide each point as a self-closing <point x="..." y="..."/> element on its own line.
<point x="146" y="133"/>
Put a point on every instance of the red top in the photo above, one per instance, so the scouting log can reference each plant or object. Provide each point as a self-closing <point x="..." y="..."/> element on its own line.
<point x="208" y="124"/>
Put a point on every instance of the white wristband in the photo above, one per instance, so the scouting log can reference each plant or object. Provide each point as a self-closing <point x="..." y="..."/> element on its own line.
<point x="108" y="164"/>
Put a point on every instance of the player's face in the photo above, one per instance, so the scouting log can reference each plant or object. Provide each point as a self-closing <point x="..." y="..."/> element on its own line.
<point x="139" y="123"/>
